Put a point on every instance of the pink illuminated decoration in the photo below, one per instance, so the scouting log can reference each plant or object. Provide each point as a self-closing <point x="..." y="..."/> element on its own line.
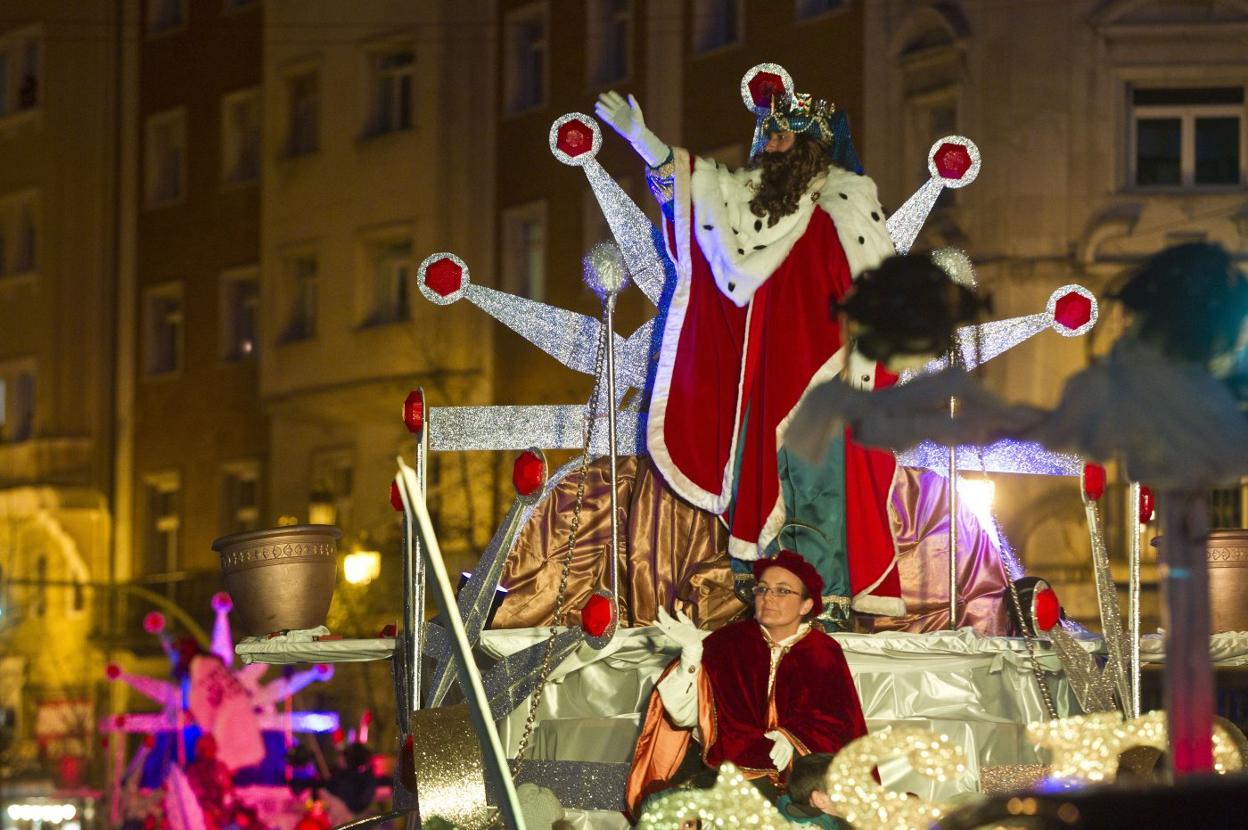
<point x="221" y="601"/>
<point x="414" y="411"/>
<point x="154" y="622"/>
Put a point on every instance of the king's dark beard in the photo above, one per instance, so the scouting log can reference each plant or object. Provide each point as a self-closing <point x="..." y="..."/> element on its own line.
<point x="785" y="177"/>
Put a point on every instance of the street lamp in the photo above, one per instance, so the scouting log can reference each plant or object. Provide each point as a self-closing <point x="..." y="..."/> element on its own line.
<point x="361" y="567"/>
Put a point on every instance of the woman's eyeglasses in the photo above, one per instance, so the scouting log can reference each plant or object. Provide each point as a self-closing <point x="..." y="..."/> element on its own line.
<point x="780" y="591"/>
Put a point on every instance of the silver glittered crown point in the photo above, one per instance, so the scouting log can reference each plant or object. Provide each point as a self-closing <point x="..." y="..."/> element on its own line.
<point x="604" y="269"/>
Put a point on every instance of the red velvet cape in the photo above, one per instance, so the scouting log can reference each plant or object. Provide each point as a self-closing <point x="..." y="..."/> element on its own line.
<point x="737" y="373"/>
<point x="813" y="702"/>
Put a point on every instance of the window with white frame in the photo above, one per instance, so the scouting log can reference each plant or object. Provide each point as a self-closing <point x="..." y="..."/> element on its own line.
<point x="165" y="15"/>
<point x="525" y="58"/>
<point x="524" y="250"/>
<point x="389" y="264"/>
<point x="240" y="313"/>
<point x="392" y="72"/>
<point x="716" y="24"/>
<point x="303" y="112"/>
<point x="810" y="9"/>
<point x="1187" y="136"/>
<point x="240" y="136"/>
<point x="19" y="234"/>
<point x="302" y="281"/>
<point x="333" y="484"/>
<point x="165" y="164"/>
<point x="163" y="329"/>
<point x="160" y="549"/>
<point x="21" y="71"/>
<point x="609" y="37"/>
<point x="240" y="496"/>
<point x="17" y="402"/>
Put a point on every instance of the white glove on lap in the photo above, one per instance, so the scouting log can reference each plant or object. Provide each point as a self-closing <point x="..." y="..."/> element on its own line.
<point x="681" y="631"/>
<point x="626" y="119"/>
<point x="781" y="749"/>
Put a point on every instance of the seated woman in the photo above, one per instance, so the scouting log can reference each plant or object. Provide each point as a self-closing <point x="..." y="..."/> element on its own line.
<point x="757" y="692"/>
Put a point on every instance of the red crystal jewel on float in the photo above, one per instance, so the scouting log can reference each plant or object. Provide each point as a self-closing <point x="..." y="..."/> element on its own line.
<point x="414" y="411"/>
<point x="1094" y="481"/>
<point x="764" y="86"/>
<point x="529" y="473"/>
<point x="1147" y="504"/>
<point x="596" y="615"/>
<point x="574" y="137"/>
<point x="396" y="500"/>
<point x="444" y="277"/>
<point x="154" y="622"/>
<point x="113" y="671"/>
<point x="952" y="161"/>
<point x="149" y="741"/>
<point x="1072" y="310"/>
<point x="1047" y="609"/>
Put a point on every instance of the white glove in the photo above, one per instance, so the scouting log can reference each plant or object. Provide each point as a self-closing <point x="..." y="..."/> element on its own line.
<point x="681" y="631"/>
<point x="781" y="749"/>
<point x="626" y="119"/>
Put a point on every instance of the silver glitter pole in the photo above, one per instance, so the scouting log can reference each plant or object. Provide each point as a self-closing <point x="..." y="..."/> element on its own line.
<point x="953" y="527"/>
<point x="1133" y="592"/>
<point x="416" y="622"/>
<point x="612" y="406"/>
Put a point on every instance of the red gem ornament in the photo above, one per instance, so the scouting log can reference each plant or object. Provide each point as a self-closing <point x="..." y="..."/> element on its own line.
<point x="1072" y="310"/>
<point x="952" y="161"/>
<point x="1147" y="505"/>
<point x="113" y="671"/>
<point x="444" y="277"/>
<point x="1094" y="481"/>
<point x="529" y="473"/>
<point x="149" y="741"/>
<point x="1047" y="609"/>
<point x="764" y="86"/>
<point x="574" y="137"/>
<point x="596" y="615"/>
<point x="154" y="622"/>
<point x="414" y="411"/>
<point x="119" y="721"/>
<point x="396" y="500"/>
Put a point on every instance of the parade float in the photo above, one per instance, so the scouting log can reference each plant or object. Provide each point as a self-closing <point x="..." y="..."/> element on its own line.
<point x="982" y="687"/>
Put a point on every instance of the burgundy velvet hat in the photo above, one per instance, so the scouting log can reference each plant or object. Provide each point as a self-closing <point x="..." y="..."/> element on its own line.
<point x="800" y="568"/>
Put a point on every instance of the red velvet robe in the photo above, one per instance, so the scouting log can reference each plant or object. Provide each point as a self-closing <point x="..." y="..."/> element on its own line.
<point x="738" y="353"/>
<point x="813" y="702"/>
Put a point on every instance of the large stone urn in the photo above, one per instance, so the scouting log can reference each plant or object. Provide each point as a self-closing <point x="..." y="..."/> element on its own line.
<point x="281" y="578"/>
<point x="1228" y="580"/>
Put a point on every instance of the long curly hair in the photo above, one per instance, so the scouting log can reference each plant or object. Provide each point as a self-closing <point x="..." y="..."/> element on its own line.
<point x="785" y="177"/>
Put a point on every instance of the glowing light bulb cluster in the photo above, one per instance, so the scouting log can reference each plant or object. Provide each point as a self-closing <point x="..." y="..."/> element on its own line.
<point x="44" y="813"/>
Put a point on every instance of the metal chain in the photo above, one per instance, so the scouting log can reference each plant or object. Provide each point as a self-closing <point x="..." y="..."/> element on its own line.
<point x="587" y="431"/>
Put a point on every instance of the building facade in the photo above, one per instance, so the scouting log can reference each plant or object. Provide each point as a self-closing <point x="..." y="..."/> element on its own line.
<point x="58" y="240"/>
<point x="1105" y="138"/>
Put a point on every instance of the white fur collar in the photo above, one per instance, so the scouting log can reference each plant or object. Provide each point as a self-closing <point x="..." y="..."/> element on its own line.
<point x="743" y="250"/>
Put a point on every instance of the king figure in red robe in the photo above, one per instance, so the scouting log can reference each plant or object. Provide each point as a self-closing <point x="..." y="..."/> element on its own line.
<point x="760" y="253"/>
